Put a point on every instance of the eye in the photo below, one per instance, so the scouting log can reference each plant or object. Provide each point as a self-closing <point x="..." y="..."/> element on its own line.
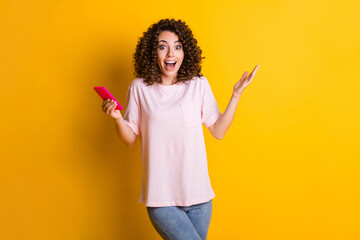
<point x="179" y="47"/>
<point x="161" y="47"/>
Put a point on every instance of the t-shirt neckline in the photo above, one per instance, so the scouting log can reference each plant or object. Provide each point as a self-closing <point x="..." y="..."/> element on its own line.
<point x="168" y="86"/>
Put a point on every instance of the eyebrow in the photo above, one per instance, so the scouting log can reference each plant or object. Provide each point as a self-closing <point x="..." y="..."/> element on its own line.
<point x="166" y="41"/>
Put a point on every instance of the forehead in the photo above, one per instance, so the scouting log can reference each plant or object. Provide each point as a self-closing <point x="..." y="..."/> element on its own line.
<point x="168" y="37"/>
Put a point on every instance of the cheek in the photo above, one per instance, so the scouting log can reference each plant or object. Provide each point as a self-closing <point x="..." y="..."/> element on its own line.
<point x="181" y="58"/>
<point x="158" y="59"/>
<point x="181" y="55"/>
<point x="159" y="56"/>
<point x="159" y="63"/>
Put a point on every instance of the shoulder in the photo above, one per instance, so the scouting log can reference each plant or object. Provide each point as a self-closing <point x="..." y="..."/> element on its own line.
<point x="199" y="80"/>
<point x="202" y="82"/>
<point x="137" y="83"/>
<point x="202" y="78"/>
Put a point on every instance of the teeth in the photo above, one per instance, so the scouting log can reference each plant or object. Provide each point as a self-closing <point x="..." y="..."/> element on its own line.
<point x="170" y="61"/>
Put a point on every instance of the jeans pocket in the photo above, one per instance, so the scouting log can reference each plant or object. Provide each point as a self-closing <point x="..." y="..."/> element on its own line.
<point x="189" y="115"/>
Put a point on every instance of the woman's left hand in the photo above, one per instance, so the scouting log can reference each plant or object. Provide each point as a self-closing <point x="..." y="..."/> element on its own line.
<point x="244" y="82"/>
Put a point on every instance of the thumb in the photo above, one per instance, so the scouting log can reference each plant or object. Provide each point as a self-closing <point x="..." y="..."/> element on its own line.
<point x="244" y="75"/>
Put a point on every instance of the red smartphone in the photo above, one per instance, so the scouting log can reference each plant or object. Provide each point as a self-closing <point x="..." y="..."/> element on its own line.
<point x="104" y="94"/>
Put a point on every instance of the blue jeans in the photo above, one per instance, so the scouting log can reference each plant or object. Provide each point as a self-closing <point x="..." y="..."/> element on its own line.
<point x="182" y="223"/>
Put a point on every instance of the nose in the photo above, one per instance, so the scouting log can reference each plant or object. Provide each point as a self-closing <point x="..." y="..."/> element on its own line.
<point x="170" y="53"/>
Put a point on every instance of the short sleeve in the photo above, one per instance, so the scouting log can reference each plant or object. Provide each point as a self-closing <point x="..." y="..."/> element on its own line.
<point x="132" y="113"/>
<point x="210" y="112"/>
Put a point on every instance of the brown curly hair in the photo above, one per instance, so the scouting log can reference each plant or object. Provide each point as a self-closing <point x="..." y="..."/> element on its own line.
<point x="145" y="56"/>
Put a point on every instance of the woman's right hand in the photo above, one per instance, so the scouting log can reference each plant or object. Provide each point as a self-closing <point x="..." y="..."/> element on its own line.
<point x="108" y="106"/>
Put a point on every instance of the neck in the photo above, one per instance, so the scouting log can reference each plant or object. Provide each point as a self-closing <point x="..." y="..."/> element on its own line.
<point x="168" y="80"/>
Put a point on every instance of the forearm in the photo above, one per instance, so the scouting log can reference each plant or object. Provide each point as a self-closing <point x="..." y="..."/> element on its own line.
<point x="125" y="132"/>
<point x="223" y="123"/>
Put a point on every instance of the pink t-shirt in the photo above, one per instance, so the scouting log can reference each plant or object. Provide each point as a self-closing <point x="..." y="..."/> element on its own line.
<point x="168" y="120"/>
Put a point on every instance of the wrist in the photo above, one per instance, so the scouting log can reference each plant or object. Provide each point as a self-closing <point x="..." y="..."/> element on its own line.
<point x="118" y="119"/>
<point x="236" y="96"/>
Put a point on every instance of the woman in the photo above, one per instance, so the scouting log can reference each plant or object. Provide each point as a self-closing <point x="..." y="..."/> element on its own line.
<point x="167" y="104"/>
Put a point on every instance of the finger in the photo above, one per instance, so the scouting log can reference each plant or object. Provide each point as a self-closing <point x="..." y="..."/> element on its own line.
<point x="114" y="106"/>
<point x="252" y="74"/>
<point x="105" y="107"/>
<point x="109" y="110"/>
<point x="105" y="102"/>
<point x="244" y="75"/>
<point x="255" y="69"/>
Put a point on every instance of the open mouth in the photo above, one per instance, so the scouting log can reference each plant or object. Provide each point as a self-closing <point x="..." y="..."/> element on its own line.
<point x="170" y="65"/>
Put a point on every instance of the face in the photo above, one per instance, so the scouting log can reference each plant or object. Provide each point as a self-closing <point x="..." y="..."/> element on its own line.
<point x="169" y="49"/>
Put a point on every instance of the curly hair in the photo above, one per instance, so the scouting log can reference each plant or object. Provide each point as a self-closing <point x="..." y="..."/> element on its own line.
<point x="145" y="56"/>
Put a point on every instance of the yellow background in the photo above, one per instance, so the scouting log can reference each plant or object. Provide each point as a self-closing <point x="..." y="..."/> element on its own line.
<point x="288" y="168"/>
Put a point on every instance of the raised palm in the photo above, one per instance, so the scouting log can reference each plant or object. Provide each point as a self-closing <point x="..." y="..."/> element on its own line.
<point x="244" y="82"/>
